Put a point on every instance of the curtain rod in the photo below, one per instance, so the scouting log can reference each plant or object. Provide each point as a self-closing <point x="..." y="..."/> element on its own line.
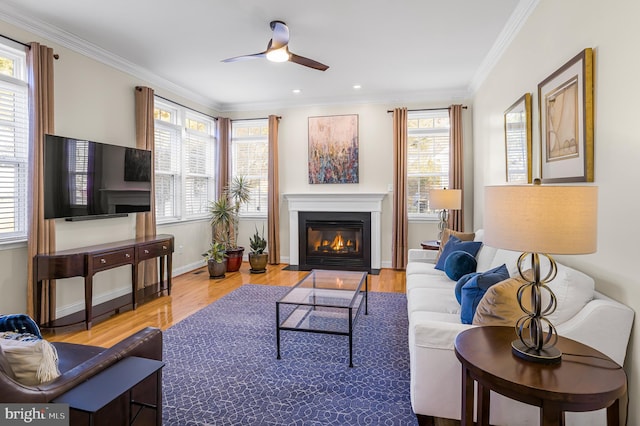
<point x="251" y="119"/>
<point x="179" y="104"/>
<point x="28" y="46"/>
<point x="427" y="109"/>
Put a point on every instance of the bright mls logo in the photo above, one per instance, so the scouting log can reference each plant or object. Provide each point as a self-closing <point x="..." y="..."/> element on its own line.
<point x="36" y="414"/>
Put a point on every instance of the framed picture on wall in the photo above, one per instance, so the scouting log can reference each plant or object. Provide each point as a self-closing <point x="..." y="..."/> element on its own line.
<point x="517" y="140"/>
<point x="566" y="122"/>
<point x="333" y="149"/>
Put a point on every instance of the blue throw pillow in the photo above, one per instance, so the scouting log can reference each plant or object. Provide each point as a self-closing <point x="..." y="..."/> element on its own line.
<point x="476" y="287"/>
<point x="459" y="263"/>
<point x="455" y="244"/>
<point x="19" y="323"/>
<point x="461" y="282"/>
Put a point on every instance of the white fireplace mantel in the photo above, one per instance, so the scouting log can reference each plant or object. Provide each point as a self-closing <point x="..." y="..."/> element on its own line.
<point x="336" y="202"/>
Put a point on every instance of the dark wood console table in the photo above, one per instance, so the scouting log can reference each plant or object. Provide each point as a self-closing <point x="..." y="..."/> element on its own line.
<point x="87" y="261"/>
<point x="585" y="380"/>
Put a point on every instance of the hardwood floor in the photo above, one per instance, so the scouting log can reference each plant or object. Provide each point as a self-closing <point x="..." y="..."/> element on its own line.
<point x="193" y="291"/>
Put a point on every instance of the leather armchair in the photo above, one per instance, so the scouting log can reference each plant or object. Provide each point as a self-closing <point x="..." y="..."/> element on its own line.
<point x="77" y="363"/>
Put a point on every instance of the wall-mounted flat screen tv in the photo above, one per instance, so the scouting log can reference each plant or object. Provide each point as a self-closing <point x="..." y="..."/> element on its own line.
<point x="86" y="180"/>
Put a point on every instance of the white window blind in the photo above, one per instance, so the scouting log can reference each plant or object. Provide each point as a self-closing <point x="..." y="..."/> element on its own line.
<point x="250" y="158"/>
<point x="427" y="158"/>
<point x="184" y="162"/>
<point x="14" y="129"/>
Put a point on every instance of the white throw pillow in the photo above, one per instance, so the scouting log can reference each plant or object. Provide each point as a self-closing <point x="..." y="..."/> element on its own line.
<point x="32" y="360"/>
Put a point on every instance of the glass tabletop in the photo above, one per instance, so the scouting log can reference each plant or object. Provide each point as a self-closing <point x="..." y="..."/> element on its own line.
<point x="338" y="289"/>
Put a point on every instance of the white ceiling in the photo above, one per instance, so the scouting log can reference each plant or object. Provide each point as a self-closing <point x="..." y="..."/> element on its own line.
<point x="397" y="50"/>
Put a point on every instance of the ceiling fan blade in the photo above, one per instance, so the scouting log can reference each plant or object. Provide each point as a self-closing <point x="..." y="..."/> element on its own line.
<point x="301" y="60"/>
<point x="280" y="34"/>
<point x="245" y="57"/>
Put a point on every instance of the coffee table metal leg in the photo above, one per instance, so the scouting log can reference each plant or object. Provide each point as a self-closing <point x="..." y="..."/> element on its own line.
<point x="350" y="337"/>
<point x="278" y="329"/>
<point x="366" y="295"/>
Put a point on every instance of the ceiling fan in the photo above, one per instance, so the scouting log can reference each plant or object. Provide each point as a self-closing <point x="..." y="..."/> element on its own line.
<point x="278" y="50"/>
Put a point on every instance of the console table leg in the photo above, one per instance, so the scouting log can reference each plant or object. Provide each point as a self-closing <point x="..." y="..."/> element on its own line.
<point x="134" y="285"/>
<point x="88" y="301"/>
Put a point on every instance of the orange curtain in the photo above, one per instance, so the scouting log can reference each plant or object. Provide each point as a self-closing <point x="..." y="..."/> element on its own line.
<point x="273" y="214"/>
<point x="41" y="234"/>
<point x="222" y="155"/>
<point x="400" y="215"/>
<point x="145" y="139"/>
<point x="456" y="167"/>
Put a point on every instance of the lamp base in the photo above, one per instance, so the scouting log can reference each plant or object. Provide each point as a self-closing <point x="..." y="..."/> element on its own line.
<point x="550" y="355"/>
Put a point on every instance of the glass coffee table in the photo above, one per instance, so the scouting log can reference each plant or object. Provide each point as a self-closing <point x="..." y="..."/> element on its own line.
<point x="326" y="302"/>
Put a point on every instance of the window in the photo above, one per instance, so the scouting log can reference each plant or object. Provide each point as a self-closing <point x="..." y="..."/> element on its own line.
<point x="427" y="159"/>
<point x="250" y="158"/>
<point x="184" y="162"/>
<point x="14" y="143"/>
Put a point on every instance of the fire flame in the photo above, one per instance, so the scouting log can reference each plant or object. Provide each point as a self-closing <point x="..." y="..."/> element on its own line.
<point x="338" y="243"/>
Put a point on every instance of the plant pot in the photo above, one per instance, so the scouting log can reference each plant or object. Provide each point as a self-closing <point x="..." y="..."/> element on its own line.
<point x="217" y="269"/>
<point x="258" y="262"/>
<point x="234" y="259"/>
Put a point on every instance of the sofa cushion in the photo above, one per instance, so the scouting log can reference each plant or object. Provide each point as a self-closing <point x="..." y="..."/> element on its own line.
<point x="476" y="287"/>
<point x="447" y="233"/>
<point x="455" y="244"/>
<point x="573" y="290"/>
<point x="499" y="305"/>
<point x="459" y="263"/>
<point x="32" y="360"/>
<point x="433" y="300"/>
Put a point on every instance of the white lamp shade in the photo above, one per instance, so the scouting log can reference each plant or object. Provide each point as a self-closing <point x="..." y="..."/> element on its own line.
<point x="449" y="199"/>
<point x="542" y="219"/>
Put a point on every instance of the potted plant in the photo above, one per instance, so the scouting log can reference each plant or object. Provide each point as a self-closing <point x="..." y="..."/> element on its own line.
<point x="216" y="260"/>
<point x="225" y="219"/>
<point x="257" y="256"/>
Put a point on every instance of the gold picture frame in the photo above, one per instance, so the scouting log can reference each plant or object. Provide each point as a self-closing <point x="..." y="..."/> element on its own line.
<point x="518" y="140"/>
<point x="565" y="100"/>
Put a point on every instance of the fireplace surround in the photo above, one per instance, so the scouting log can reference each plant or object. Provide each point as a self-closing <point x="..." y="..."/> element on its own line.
<point x="350" y="203"/>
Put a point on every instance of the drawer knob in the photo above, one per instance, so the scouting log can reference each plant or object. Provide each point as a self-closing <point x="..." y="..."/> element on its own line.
<point x="146" y="251"/>
<point x="103" y="261"/>
<point x="164" y="247"/>
<point x="127" y="255"/>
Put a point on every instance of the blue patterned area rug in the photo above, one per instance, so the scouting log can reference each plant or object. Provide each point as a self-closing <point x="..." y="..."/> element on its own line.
<point x="221" y="367"/>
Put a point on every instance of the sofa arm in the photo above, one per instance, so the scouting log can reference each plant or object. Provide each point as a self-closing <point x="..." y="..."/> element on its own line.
<point x="146" y="343"/>
<point x="603" y="324"/>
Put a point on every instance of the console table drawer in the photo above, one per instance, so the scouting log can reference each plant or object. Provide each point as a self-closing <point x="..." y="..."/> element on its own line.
<point x="150" y="251"/>
<point x="112" y="259"/>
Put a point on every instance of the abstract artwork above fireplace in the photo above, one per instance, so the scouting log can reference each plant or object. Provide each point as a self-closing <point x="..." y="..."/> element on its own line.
<point x="333" y="149"/>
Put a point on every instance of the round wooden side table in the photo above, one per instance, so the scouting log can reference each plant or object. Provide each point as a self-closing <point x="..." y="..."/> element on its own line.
<point x="585" y="379"/>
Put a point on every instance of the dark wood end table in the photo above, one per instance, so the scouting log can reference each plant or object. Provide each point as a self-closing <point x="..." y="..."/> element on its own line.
<point x="585" y="380"/>
<point x="430" y="245"/>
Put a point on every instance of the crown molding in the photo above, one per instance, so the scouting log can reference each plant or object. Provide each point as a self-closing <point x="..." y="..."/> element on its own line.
<point x="70" y="41"/>
<point x="517" y="19"/>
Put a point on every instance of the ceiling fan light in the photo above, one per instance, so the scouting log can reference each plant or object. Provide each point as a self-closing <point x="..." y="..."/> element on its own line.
<point x="278" y="55"/>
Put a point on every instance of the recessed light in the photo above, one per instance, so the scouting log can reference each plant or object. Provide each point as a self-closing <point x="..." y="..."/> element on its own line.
<point x="357" y="86"/>
<point x="296" y="91"/>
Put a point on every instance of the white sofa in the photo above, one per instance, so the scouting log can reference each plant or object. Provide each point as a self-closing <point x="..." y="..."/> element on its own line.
<point x="583" y="314"/>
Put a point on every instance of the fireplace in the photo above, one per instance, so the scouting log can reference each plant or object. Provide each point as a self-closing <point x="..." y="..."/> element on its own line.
<point x="327" y="204"/>
<point x="338" y="240"/>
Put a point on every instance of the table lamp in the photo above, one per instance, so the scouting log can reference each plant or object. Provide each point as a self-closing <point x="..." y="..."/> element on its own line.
<point x="539" y="221"/>
<point x="444" y="200"/>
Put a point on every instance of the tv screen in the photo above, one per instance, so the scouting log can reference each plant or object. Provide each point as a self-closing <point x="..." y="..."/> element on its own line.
<point x="84" y="179"/>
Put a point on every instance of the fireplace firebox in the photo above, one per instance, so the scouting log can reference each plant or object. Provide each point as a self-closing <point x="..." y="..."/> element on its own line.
<point x="336" y="240"/>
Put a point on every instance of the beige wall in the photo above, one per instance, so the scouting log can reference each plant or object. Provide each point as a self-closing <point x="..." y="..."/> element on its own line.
<point x="554" y="33"/>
